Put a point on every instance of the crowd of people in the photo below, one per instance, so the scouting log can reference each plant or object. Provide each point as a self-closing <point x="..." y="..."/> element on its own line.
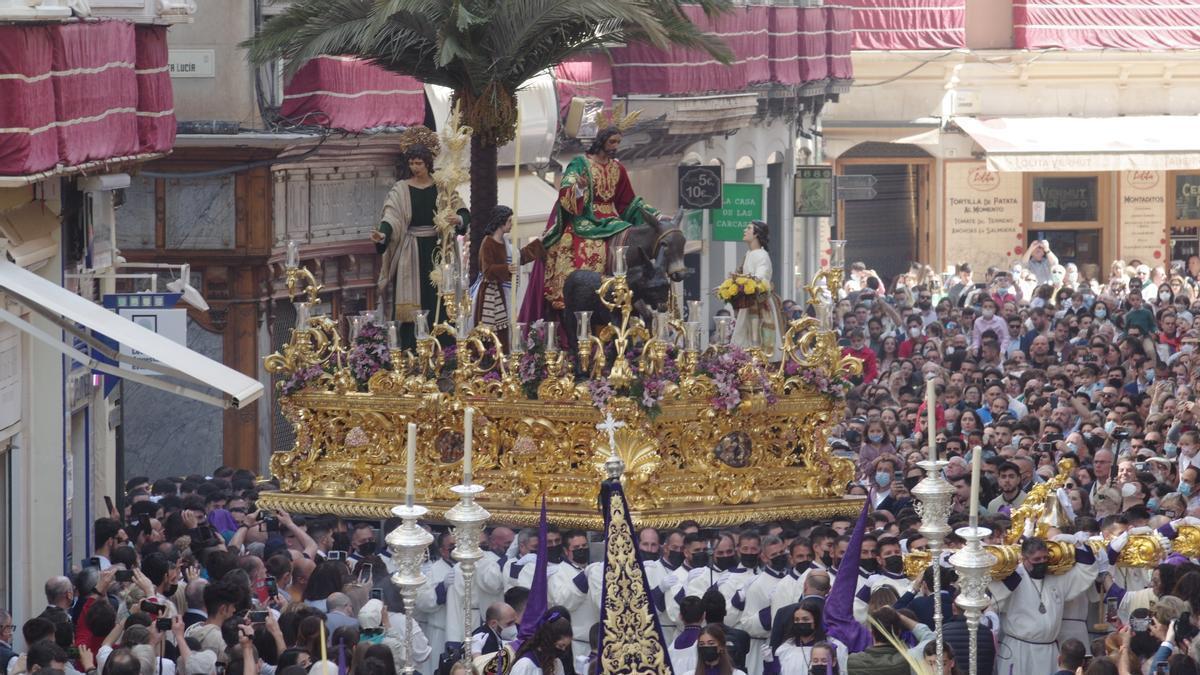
<point x="1031" y="366"/>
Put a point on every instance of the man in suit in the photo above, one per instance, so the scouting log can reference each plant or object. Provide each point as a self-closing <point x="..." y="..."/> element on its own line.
<point x="60" y="593"/>
<point x="498" y="629"/>
<point x="194" y="594"/>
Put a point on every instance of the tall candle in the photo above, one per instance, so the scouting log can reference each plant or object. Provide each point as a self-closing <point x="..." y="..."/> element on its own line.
<point x="930" y="404"/>
<point x="293" y="254"/>
<point x="515" y="287"/>
<point x="409" y="477"/>
<point x="468" y="430"/>
<point x="976" y="464"/>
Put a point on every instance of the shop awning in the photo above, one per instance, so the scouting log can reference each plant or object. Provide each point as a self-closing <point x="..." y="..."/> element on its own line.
<point x="178" y="369"/>
<point x="1145" y="143"/>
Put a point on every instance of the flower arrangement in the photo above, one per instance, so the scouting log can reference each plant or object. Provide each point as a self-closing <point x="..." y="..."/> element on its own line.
<point x="369" y="354"/>
<point x="742" y="290"/>
<point x="300" y="379"/>
<point x="836" y="385"/>
<point x="725" y="367"/>
<point x="531" y="369"/>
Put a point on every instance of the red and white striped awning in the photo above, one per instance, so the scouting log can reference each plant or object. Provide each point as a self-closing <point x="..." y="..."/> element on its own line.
<point x="908" y="24"/>
<point x="1112" y="24"/>
<point x="780" y="44"/>
<point x="342" y="92"/>
<point x="77" y="93"/>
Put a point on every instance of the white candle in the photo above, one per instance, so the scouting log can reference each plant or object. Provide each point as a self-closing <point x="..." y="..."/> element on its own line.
<point x="468" y="429"/>
<point x="293" y="254"/>
<point x="516" y="286"/>
<point x="930" y="404"/>
<point x="410" y="474"/>
<point x="976" y="464"/>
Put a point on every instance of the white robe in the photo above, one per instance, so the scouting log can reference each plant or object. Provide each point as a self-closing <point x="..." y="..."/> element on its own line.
<point x="430" y="613"/>
<point x="656" y="573"/>
<point x="489" y="589"/>
<point x="756" y="615"/>
<point x="1028" y="644"/>
<point x="748" y="327"/>
<point x="728" y="583"/>
<point x="584" y="606"/>
<point x="796" y="659"/>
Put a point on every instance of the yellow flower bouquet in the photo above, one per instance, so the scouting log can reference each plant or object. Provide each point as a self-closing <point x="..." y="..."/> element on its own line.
<point x="742" y="291"/>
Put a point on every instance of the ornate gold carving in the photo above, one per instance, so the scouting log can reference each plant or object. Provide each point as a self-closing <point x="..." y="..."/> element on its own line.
<point x="678" y="457"/>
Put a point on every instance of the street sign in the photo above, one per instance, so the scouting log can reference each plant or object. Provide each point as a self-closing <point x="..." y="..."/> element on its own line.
<point x="700" y="187"/>
<point x="741" y="203"/>
<point x="814" y="191"/>
<point x="850" y="194"/>
<point x="858" y="180"/>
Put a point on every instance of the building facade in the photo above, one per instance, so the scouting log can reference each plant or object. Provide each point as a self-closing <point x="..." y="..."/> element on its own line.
<point x="85" y="97"/>
<point x="991" y="123"/>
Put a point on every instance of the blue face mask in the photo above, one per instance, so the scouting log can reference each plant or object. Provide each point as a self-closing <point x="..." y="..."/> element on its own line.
<point x="1171" y="449"/>
<point x="883" y="478"/>
<point x="1185" y="489"/>
<point x="1152" y="504"/>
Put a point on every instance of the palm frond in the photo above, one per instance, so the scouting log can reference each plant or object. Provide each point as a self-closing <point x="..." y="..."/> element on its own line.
<point x="311" y="28"/>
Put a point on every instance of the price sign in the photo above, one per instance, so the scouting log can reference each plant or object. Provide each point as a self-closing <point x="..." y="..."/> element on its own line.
<point x="700" y="187"/>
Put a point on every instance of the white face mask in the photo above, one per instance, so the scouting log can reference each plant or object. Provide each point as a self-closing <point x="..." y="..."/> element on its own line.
<point x="914" y="332"/>
<point x="509" y="633"/>
<point x="1128" y="490"/>
<point x="988" y="313"/>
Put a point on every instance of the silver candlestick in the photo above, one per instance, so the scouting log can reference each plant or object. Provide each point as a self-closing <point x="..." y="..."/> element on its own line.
<point x="468" y="518"/>
<point x="974" y="566"/>
<point x="409" y="545"/>
<point x="935" y="497"/>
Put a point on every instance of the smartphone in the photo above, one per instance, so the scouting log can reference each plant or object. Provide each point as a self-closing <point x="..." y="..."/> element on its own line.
<point x="108" y="503"/>
<point x="377" y="594"/>
<point x="152" y="607"/>
<point x="1110" y="610"/>
<point x="123" y="576"/>
<point x="1162" y="668"/>
<point x="258" y="616"/>
<point x="365" y="574"/>
<point x="335" y="555"/>
<point x="272" y="587"/>
<point x="162" y="625"/>
<point x="94" y="561"/>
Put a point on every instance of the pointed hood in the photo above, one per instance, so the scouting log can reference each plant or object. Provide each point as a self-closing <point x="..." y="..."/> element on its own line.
<point x="839" y="606"/>
<point x="536" y="606"/>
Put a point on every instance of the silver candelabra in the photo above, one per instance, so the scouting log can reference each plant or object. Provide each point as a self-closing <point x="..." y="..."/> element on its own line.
<point x="468" y="518"/>
<point x="974" y="566"/>
<point x="935" y="494"/>
<point x="409" y="545"/>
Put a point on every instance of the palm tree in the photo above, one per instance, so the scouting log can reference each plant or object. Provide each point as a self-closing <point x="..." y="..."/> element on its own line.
<point x="483" y="50"/>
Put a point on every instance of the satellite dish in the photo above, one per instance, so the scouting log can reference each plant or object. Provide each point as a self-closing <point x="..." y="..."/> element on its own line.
<point x="183" y="286"/>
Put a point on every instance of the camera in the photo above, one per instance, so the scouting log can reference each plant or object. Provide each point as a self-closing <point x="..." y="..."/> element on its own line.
<point x="1121" y="434"/>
